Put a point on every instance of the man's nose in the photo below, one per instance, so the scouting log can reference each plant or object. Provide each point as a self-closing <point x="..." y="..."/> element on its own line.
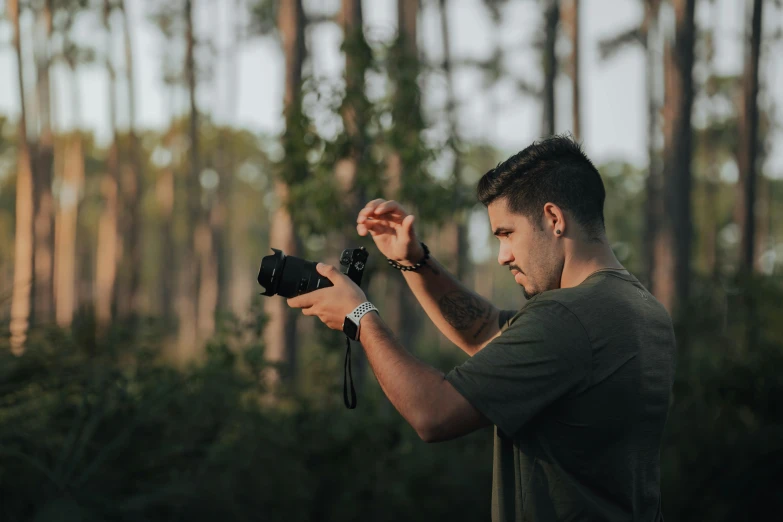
<point x="504" y="256"/>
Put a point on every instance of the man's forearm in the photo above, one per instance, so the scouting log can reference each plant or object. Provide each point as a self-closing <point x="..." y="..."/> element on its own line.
<point x="407" y="382"/>
<point x="464" y="317"/>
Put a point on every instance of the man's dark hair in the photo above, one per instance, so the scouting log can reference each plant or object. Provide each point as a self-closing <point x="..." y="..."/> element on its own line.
<point x="552" y="170"/>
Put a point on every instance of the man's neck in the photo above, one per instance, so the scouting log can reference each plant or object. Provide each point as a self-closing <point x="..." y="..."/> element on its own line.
<point x="590" y="258"/>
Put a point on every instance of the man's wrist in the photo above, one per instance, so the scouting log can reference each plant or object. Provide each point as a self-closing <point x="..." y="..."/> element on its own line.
<point x="416" y="264"/>
<point x="415" y="256"/>
<point x="364" y="320"/>
<point x="353" y="321"/>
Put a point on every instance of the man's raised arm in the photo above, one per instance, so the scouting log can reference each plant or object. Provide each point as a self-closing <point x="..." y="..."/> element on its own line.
<point x="464" y="317"/>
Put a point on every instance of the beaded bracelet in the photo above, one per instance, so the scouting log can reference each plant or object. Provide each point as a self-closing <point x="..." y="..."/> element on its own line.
<point x="418" y="265"/>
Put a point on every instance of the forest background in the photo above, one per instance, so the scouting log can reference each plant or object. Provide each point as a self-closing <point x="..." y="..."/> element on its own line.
<point x="151" y="153"/>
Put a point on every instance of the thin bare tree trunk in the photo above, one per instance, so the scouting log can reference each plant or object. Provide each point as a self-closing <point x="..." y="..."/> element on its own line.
<point x="551" y="17"/>
<point x="712" y="170"/>
<point x="213" y="270"/>
<point x="763" y="203"/>
<point x="653" y="205"/>
<point x="241" y="285"/>
<point x="164" y="195"/>
<point x="455" y="233"/>
<point x="570" y="17"/>
<point x="42" y="181"/>
<point x="404" y="316"/>
<point x="748" y="146"/>
<point x="66" y="224"/>
<point x="354" y="117"/>
<point x="188" y="294"/>
<point x="23" y="239"/>
<point x="673" y="243"/>
<point x="130" y="281"/>
<point x="108" y="251"/>
<point x="280" y="331"/>
<point x="393" y="284"/>
<point x="208" y="288"/>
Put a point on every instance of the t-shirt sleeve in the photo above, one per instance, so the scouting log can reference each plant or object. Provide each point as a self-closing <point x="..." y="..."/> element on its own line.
<point x="543" y="355"/>
<point x="505" y="316"/>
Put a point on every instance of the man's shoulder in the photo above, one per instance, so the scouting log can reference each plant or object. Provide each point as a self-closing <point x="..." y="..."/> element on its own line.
<point x="545" y="312"/>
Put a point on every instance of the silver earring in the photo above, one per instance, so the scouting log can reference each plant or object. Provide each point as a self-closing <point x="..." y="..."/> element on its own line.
<point x="557" y="231"/>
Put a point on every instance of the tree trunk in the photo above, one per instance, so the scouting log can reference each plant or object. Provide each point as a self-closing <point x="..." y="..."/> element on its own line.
<point x="109" y="248"/>
<point x="131" y="219"/>
<point x="355" y="122"/>
<point x="404" y="315"/>
<point x="218" y="213"/>
<point x="653" y="205"/>
<point x="164" y="195"/>
<point x="763" y="220"/>
<point x="42" y="181"/>
<point x="23" y="239"/>
<point x="280" y="331"/>
<point x="455" y="233"/>
<point x="673" y="243"/>
<point x="748" y="145"/>
<point x="198" y="231"/>
<point x="353" y="117"/>
<point x="66" y="224"/>
<point x="551" y="17"/>
<point x="570" y="16"/>
<point x="242" y="285"/>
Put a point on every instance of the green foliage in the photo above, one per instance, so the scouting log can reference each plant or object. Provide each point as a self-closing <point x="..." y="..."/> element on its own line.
<point x="405" y="138"/>
<point x="312" y="188"/>
<point x="97" y="431"/>
<point x="724" y="439"/>
<point x="622" y="212"/>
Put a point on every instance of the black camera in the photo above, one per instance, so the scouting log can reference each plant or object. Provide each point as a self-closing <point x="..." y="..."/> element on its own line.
<point x="291" y="276"/>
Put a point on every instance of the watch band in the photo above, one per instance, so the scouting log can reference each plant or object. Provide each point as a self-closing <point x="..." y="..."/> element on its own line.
<point x="355" y="318"/>
<point x="360" y="310"/>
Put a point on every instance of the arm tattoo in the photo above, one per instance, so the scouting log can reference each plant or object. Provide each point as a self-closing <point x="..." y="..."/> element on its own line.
<point x="461" y="309"/>
<point x="485" y="323"/>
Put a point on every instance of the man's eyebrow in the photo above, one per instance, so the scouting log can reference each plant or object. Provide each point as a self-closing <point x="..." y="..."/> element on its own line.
<point x="501" y="230"/>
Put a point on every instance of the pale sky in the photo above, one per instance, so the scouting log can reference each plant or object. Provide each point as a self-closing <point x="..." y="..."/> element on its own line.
<point x="613" y="96"/>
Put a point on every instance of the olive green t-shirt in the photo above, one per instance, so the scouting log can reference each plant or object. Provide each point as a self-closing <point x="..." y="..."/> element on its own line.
<point x="578" y="386"/>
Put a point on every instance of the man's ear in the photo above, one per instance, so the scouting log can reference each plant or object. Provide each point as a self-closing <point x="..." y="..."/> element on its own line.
<point x="554" y="220"/>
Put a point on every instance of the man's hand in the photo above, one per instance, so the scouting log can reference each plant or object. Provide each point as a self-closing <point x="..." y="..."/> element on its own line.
<point x="333" y="303"/>
<point x="391" y="228"/>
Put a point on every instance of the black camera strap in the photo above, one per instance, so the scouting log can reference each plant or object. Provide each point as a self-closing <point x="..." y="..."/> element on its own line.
<point x="347" y="374"/>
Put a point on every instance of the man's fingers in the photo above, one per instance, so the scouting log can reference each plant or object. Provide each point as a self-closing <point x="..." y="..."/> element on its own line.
<point x="389" y="207"/>
<point x="376" y="227"/>
<point x="365" y="213"/>
<point x="300" y="301"/>
<point x="369" y="207"/>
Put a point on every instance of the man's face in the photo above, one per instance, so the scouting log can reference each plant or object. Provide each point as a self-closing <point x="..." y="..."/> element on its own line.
<point x="531" y="254"/>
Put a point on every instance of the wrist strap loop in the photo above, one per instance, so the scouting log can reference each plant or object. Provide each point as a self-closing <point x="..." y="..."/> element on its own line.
<point x="346" y="374"/>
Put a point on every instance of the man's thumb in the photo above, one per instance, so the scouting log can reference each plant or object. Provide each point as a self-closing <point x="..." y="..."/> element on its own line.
<point x="407" y="223"/>
<point x="324" y="269"/>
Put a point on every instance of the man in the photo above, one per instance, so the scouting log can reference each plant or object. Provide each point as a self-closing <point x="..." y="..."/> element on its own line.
<point x="577" y="382"/>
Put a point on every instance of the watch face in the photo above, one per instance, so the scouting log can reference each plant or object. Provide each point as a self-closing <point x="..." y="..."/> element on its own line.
<point x="350" y="328"/>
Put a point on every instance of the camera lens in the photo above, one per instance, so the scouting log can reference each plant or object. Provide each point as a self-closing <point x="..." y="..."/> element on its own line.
<point x="289" y="276"/>
<point x="271" y="266"/>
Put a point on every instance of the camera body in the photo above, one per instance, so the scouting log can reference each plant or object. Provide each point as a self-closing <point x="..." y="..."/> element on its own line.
<point x="290" y="276"/>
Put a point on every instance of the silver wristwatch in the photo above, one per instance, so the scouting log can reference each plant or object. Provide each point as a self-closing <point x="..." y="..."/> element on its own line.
<point x="352" y="321"/>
